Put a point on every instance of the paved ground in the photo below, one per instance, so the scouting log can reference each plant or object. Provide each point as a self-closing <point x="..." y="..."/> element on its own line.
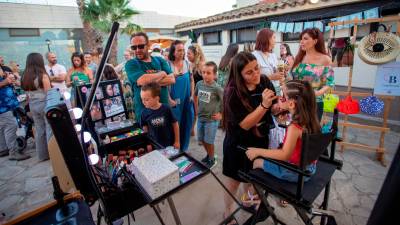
<point x="26" y="185"/>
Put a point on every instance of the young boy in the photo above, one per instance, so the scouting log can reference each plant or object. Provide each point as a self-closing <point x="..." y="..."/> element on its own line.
<point x="157" y="119"/>
<point x="208" y="103"/>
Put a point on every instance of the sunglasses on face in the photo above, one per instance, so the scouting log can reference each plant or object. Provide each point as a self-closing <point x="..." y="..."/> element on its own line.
<point x="134" y="47"/>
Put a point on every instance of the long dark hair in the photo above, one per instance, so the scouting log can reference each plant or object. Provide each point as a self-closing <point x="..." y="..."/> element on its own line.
<point x="109" y="73"/>
<point x="262" y="39"/>
<point x="306" y="107"/>
<point x="315" y="34"/>
<point x="288" y="52"/>
<point x="231" y="51"/>
<point x="236" y="85"/>
<point x="171" y="55"/>
<point x="78" y="55"/>
<point x="34" y="69"/>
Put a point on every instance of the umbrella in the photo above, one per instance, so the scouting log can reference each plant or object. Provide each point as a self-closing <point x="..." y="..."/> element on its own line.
<point x="164" y="40"/>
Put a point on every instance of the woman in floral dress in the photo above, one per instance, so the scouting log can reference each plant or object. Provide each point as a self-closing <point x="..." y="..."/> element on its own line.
<point x="313" y="64"/>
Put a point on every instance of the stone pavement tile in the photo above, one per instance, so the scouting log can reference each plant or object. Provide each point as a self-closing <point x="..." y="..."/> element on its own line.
<point x="34" y="184"/>
<point x="349" y="169"/>
<point x="11" y="188"/>
<point x="355" y="157"/>
<point x="8" y="204"/>
<point x="343" y="218"/>
<point x="10" y="172"/>
<point x="42" y="169"/>
<point x="340" y="175"/>
<point x="372" y="170"/>
<point x="367" y="200"/>
<point x="360" y="211"/>
<point x="360" y="220"/>
<point x="348" y="194"/>
<point x="367" y="185"/>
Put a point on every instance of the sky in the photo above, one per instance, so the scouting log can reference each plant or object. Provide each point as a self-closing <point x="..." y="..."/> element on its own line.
<point x="190" y="8"/>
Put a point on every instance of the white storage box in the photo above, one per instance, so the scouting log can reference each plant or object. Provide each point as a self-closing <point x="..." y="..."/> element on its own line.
<point x="155" y="173"/>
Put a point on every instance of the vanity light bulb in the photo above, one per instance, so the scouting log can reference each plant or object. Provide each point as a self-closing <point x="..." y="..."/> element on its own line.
<point x="94" y="159"/>
<point x="86" y="137"/>
<point x="78" y="127"/>
<point x="77" y="112"/>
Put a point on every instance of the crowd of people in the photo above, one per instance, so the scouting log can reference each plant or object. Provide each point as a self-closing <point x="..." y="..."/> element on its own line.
<point x="171" y="91"/>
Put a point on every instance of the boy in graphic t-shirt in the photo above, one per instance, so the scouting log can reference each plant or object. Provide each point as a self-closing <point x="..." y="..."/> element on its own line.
<point x="208" y="101"/>
<point x="157" y="119"/>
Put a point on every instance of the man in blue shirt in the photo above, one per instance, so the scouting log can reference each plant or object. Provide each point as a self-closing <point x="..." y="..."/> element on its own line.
<point x="8" y="124"/>
<point x="145" y="69"/>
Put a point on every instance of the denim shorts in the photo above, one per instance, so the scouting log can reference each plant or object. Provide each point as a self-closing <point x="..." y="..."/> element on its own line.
<point x="206" y="131"/>
<point x="285" y="174"/>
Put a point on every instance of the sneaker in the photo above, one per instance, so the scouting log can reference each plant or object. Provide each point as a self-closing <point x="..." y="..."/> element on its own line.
<point x="4" y="153"/>
<point x="19" y="156"/>
<point x="211" y="163"/>
<point x="205" y="159"/>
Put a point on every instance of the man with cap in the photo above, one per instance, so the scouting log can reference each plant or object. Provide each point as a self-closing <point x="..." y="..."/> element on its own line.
<point x="156" y="50"/>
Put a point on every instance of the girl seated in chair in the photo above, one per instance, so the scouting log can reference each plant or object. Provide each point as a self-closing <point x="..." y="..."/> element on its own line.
<point x="300" y="101"/>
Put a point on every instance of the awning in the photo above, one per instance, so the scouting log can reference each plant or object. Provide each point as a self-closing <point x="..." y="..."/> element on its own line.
<point x="164" y="40"/>
<point x="386" y="7"/>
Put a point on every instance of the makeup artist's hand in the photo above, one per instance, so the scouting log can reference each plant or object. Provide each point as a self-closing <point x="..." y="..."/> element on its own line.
<point x="267" y="97"/>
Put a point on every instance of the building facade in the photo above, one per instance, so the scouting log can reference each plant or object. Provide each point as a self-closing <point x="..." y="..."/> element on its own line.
<point x="26" y="28"/>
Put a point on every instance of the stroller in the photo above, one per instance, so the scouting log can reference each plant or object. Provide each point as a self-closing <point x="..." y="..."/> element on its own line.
<point x="25" y="125"/>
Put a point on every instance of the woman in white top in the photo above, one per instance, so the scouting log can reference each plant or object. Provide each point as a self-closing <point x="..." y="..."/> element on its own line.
<point x="267" y="60"/>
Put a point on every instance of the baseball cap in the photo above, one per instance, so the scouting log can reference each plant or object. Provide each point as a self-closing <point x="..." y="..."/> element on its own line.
<point x="155" y="46"/>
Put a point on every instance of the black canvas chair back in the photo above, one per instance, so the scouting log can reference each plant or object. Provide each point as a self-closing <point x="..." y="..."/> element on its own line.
<point x="313" y="146"/>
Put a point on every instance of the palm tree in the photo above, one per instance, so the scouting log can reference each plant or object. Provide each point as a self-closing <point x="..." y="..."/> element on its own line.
<point x="102" y="13"/>
<point x="92" y="39"/>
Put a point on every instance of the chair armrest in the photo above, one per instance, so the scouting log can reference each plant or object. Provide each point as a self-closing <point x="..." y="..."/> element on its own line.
<point x="284" y="164"/>
<point x="288" y="166"/>
<point x="337" y="163"/>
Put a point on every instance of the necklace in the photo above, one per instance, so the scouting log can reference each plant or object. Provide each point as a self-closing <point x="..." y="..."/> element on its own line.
<point x="178" y="67"/>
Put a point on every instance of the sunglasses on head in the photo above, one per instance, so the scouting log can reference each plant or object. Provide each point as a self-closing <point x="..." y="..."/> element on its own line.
<point x="134" y="47"/>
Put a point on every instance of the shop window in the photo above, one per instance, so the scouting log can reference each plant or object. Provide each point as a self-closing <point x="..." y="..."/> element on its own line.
<point x="24" y="32"/>
<point x="290" y="37"/>
<point x="243" y="35"/>
<point x="212" y="38"/>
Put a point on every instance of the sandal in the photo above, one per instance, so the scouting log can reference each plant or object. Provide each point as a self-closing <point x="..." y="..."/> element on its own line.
<point x="250" y="202"/>
<point x="282" y="203"/>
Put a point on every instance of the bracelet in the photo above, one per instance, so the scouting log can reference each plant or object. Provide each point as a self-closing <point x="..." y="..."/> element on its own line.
<point x="263" y="106"/>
